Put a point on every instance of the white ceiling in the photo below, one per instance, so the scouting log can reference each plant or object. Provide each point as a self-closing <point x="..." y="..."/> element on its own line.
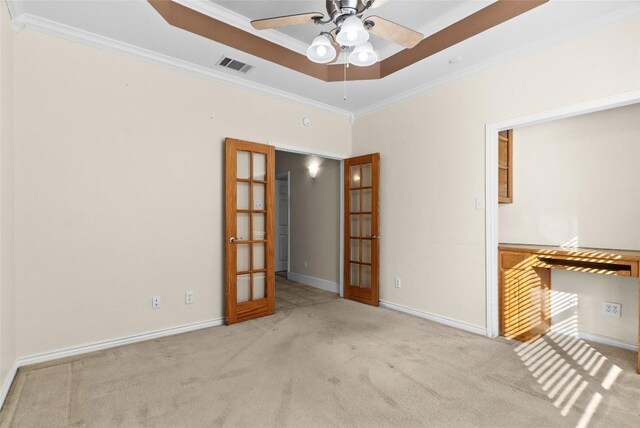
<point x="135" y="25"/>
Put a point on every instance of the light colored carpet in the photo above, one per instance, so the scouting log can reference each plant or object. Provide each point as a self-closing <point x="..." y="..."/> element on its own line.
<point x="337" y="363"/>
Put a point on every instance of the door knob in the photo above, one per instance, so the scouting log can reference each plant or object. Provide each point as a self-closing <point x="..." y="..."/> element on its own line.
<point x="232" y="240"/>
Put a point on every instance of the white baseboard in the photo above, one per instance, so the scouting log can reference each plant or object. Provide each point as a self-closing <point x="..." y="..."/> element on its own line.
<point x="630" y="346"/>
<point x="436" y="318"/>
<point x="112" y="343"/>
<point x="311" y="281"/>
<point x="98" y="346"/>
<point x="6" y="386"/>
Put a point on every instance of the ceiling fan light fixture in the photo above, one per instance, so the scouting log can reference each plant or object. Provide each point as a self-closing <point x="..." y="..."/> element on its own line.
<point x="352" y="32"/>
<point x="363" y="55"/>
<point x="321" y="50"/>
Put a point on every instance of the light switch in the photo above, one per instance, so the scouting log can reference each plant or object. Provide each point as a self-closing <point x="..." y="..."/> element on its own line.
<point x="479" y="203"/>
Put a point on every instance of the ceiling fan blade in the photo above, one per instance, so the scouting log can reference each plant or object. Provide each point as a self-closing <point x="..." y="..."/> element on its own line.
<point x="395" y="32"/>
<point x="378" y="3"/>
<point x="284" y="21"/>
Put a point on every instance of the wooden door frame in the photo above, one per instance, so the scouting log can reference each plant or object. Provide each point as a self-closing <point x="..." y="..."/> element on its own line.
<point x="491" y="184"/>
<point x="327" y="155"/>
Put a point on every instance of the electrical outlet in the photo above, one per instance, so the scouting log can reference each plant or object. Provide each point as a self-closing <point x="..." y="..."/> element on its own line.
<point x="155" y="302"/>
<point x="397" y="282"/>
<point x="188" y="297"/>
<point x="613" y="309"/>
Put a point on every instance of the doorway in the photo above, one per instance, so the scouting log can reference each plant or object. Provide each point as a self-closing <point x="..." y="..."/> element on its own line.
<point x="250" y="217"/>
<point x="307" y="229"/>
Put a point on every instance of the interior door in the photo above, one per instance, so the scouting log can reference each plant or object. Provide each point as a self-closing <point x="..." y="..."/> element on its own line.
<point x="250" y="277"/>
<point x="282" y="225"/>
<point x="361" y="180"/>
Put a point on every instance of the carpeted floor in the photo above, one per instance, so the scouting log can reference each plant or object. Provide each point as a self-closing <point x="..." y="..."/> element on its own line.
<point x="336" y="363"/>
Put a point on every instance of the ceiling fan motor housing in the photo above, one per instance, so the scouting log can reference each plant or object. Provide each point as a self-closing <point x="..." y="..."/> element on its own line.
<point x="340" y="9"/>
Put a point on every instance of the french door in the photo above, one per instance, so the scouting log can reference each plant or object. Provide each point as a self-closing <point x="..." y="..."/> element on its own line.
<point x="361" y="228"/>
<point x="249" y="224"/>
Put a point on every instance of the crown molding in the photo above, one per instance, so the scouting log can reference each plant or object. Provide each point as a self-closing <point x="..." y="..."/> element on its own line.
<point x="63" y="31"/>
<point x="622" y="15"/>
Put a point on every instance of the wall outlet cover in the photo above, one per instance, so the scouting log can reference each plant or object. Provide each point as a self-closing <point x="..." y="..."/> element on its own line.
<point x="612" y="309"/>
<point x="188" y="297"/>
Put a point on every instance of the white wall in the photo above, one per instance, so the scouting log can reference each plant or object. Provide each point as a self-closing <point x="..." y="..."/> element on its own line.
<point x="315" y="215"/>
<point x="7" y="284"/>
<point x="120" y="192"/>
<point x="577" y="183"/>
<point x="432" y="163"/>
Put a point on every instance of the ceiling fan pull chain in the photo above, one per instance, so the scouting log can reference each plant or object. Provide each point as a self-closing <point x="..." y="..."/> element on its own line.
<point x="346" y="65"/>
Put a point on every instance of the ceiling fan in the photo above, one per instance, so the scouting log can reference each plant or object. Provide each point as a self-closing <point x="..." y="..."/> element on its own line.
<point x="350" y="31"/>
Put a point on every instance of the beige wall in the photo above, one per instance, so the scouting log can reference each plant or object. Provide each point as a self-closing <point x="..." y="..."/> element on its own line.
<point x="7" y="284"/>
<point x="577" y="183"/>
<point x="119" y="180"/>
<point x="119" y="189"/>
<point x="432" y="163"/>
<point x="315" y="215"/>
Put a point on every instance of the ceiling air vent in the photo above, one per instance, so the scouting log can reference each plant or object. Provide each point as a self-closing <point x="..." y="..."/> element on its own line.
<point x="233" y="64"/>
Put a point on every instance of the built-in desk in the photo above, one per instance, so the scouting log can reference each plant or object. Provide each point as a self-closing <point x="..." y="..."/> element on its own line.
<point x="525" y="282"/>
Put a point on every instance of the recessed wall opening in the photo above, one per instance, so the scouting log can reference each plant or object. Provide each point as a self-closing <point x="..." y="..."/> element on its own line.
<point x="563" y="249"/>
<point x="575" y="184"/>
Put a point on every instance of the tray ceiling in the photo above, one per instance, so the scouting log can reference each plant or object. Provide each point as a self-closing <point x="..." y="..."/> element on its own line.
<point x="135" y="27"/>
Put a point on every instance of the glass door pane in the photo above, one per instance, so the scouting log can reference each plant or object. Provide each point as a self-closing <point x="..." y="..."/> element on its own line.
<point x="365" y="278"/>
<point x="242" y="257"/>
<point x="242" y="288"/>
<point x="242" y="195"/>
<point x="354" y="175"/>
<point x="366" y="251"/>
<point x="355" y="201"/>
<point x="258" y="197"/>
<point x="259" y="286"/>
<point x="259" y="261"/>
<point x="355" y="275"/>
<point x="259" y="166"/>
<point x="366" y="200"/>
<point x="259" y="230"/>
<point x="366" y="174"/>
<point x="242" y="227"/>
<point x="243" y="165"/>
<point x="355" y="250"/>
<point x="355" y="225"/>
<point x="365" y="220"/>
